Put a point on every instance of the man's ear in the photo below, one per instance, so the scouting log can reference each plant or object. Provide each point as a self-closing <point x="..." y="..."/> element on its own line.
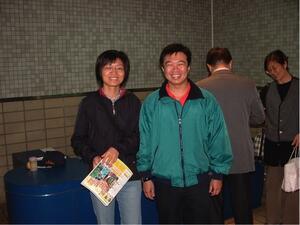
<point x="230" y="65"/>
<point x="162" y="69"/>
<point x="209" y="67"/>
<point x="285" y="65"/>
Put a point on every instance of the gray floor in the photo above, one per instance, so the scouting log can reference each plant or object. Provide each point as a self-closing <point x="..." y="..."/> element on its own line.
<point x="259" y="215"/>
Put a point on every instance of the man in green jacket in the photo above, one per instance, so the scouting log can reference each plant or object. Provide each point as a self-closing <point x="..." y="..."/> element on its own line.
<point x="184" y="145"/>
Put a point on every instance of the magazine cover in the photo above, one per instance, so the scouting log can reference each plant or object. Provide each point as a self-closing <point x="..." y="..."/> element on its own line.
<point x="105" y="182"/>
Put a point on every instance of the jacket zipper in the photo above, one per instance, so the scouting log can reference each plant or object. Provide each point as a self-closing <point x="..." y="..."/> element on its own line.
<point x="113" y="101"/>
<point x="181" y="141"/>
<point x="113" y="107"/>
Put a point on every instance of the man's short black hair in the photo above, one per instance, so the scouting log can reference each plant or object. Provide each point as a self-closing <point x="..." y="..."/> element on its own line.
<point x="217" y="55"/>
<point x="175" y="48"/>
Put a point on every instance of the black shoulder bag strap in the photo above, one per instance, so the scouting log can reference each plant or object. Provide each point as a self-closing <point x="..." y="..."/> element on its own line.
<point x="263" y="96"/>
<point x="262" y="144"/>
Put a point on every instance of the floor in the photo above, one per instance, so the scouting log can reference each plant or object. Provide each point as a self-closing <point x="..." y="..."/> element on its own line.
<point x="259" y="216"/>
<point x="3" y="214"/>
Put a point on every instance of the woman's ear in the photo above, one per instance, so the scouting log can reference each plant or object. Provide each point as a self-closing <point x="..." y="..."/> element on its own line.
<point x="268" y="73"/>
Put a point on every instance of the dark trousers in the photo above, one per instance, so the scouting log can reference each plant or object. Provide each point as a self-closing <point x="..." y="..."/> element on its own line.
<point x="281" y="207"/>
<point x="239" y="186"/>
<point x="187" y="205"/>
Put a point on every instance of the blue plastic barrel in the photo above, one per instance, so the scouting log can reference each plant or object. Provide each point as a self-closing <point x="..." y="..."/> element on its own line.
<point x="49" y="196"/>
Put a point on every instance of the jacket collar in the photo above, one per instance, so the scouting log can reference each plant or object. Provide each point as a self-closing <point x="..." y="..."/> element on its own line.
<point x="195" y="91"/>
<point x="222" y="72"/>
<point x="122" y="92"/>
<point x="102" y="98"/>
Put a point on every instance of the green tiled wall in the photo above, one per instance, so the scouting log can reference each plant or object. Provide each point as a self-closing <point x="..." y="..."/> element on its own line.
<point x="49" y="47"/>
<point x="252" y="29"/>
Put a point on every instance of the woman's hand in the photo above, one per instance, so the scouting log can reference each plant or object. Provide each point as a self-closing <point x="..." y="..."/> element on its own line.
<point x="110" y="156"/>
<point x="96" y="160"/>
<point x="296" y="141"/>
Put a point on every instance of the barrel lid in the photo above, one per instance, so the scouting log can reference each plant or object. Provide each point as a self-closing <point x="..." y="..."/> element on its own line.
<point x="46" y="181"/>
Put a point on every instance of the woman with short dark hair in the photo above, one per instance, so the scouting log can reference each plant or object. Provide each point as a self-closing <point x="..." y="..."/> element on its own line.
<point x="281" y="99"/>
<point x="107" y="129"/>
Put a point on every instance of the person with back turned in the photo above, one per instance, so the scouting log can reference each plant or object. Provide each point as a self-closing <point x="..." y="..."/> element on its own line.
<point x="242" y="107"/>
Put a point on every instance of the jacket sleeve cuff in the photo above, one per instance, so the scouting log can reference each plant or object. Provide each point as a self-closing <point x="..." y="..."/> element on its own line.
<point x="146" y="175"/>
<point x="217" y="176"/>
<point x="87" y="155"/>
<point x="91" y="158"/>
<point x="119" y="148"/>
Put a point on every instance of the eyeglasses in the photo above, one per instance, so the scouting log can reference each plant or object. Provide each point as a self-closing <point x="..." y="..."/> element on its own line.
<point x="110" y="68"/>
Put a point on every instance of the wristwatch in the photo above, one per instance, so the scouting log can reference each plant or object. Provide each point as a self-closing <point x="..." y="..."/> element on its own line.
<point x="144" y="179"/>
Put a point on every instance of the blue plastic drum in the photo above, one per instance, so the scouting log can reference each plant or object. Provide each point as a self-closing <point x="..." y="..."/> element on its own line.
<point x="49" y="195"/>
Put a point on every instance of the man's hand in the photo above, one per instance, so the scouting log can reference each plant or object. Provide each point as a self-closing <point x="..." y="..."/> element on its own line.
<point x="148" y="188"/>
<point x="215" y="187"/>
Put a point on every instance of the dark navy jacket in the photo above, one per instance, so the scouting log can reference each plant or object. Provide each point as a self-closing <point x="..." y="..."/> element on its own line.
<point x="101" y="124"/>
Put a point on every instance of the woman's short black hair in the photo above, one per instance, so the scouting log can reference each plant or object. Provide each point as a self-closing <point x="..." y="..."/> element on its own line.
<point x="277" y="56"/>
<point x="174" y="48"/>
<point x="109" y="57"/>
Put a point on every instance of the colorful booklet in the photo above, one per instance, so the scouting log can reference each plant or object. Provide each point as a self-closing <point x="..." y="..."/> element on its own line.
<point x="105" y="182"/>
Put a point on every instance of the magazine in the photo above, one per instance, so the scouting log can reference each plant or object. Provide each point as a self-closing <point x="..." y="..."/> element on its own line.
<point x="105" y="182"/>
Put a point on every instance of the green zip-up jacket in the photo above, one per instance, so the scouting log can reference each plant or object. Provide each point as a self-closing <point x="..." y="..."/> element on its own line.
<point x="178" y="143"/>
